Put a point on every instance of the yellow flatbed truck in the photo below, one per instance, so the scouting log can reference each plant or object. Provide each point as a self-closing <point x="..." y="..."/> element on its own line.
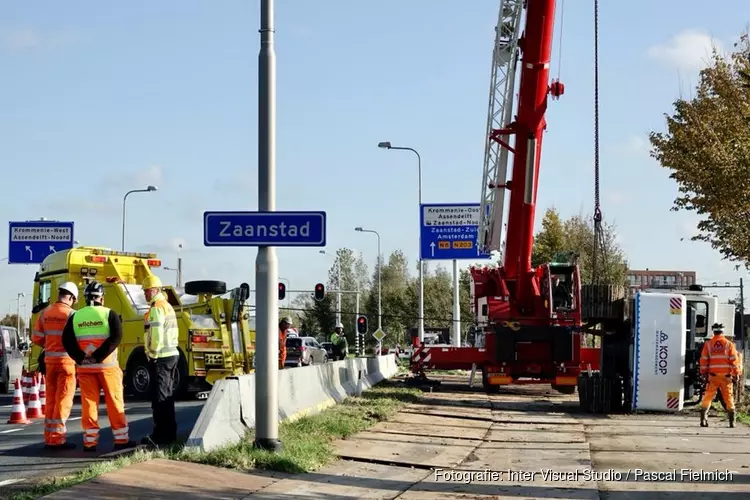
<point x="216" y="339"/>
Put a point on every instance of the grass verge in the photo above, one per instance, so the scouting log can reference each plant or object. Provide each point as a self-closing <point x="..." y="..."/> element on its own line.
<point x="308" y="442"/>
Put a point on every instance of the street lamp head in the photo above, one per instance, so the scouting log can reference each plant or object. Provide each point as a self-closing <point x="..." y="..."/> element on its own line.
<point x="384" y="145"/>
<point x="152" y="188"/>
<point x="322" y="251"/>
<point x="358" y="229"/>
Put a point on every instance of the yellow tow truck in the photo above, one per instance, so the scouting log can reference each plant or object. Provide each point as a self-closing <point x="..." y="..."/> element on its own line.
<point x="216" y="336"/>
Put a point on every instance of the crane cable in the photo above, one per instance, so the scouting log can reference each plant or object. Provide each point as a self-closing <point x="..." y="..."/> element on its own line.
<point x="598" y="233"/>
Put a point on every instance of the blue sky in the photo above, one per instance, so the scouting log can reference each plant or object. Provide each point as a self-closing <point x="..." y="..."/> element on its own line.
<point x="101" y="97"/>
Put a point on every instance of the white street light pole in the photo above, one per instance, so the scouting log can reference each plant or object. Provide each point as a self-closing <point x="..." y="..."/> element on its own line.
<point x="18" y="314"/>
<point x="387" y="145"/>
<point x="338" y="284"/>
<point x="380" y="265"/>
<point x="124" y="199"/>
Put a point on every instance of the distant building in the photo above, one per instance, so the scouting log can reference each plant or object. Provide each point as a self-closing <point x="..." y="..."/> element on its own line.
<point x="647" y="278"/>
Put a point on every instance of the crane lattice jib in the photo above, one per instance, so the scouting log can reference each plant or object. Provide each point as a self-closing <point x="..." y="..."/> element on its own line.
<point x="499" y="116"/>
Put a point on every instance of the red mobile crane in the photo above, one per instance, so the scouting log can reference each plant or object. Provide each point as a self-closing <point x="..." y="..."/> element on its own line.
<point x="527" y="334"/>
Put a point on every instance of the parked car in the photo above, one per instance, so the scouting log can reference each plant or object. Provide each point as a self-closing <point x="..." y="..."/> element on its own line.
<point x="304" y="351"/>
<point x="11" y="358"/>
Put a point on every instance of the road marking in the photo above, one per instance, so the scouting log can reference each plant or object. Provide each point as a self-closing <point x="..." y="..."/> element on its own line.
<point x="6" y="406"/>
<point x="74" y="418"/>
<point x="9" y="431"/>
<point x="10" y="481"/>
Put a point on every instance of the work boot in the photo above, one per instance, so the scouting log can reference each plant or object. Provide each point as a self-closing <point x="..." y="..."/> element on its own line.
<point x="704" y="417"/>
<point x="730" y="414"/>
<point x="64" y="446"/>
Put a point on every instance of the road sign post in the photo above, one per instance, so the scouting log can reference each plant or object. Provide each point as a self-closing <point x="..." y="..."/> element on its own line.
<point x="379" y="335"/>
<point x="30" y="242"/>
<point x="450" y="231"/>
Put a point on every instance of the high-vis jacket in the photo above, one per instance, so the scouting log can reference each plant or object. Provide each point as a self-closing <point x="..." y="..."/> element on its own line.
<point x="48" y="332"/>
<point x="719" y="357"/>
<point x="94" y="331"/>
<point x="162" y="332"/>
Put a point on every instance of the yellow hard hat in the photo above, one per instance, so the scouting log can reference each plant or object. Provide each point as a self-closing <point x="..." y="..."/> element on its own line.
<point x="151" y="281"/>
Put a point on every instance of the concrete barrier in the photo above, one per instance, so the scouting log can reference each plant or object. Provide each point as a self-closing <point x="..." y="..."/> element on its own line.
<point x="229" y="411"/>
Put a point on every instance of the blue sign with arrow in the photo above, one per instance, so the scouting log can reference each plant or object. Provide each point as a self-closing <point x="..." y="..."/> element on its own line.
<point x="450" y="231"/>
<point x="31" y="242"/>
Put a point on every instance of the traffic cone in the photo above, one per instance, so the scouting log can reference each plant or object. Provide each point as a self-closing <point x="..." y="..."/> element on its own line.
<point x="35" y="408"/>
<point x="43" y="393"/>
<point x="26" y="384"/>
<point x="18" y="412"/>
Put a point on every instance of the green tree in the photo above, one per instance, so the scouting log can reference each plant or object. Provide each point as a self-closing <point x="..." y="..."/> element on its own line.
<point x="550" y="240"/>
<point x="707" y="149"/>
<point x="12" y="320"/>
<point x="576" y="234"/>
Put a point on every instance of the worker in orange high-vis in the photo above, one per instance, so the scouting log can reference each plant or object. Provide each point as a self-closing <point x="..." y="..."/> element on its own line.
<point x="59" y="367"/>
<point x="284" y="325"/>
<point x="720" y="366"/>
<point x="91" y="337"/>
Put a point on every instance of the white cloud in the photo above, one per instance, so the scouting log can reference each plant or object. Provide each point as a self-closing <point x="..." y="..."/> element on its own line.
<point x="27" y="39"/>
<point x="689" y="50"/>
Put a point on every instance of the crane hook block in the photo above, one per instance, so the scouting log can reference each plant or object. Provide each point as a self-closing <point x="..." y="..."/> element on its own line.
<point x="556" y="89"/>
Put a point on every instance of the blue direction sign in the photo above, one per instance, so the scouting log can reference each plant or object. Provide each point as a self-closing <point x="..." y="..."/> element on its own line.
<point x="30" y="242"/>
<point x="274" y="229"/>
<point x="450" y="231"/>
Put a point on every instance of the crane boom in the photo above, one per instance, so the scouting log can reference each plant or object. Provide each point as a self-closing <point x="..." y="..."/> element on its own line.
<point x="502" y="89"/>
<point x="528" y="128"/>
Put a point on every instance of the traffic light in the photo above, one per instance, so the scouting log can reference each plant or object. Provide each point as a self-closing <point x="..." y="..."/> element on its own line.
<point x="320" y="291"/>
<point x="362" y="324"/>
<point x="282" y="291"/>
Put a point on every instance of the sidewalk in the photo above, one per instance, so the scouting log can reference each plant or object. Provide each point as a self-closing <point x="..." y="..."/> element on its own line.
<point x="527" y="433"/>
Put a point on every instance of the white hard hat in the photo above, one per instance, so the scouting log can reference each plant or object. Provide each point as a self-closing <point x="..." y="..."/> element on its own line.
<point x="287" y="320"/>
<point x="70" y="287"/>
<point x="339" y="325"/>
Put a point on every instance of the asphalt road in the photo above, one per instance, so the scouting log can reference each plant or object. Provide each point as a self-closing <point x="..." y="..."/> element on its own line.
<point x="22" y="453"/>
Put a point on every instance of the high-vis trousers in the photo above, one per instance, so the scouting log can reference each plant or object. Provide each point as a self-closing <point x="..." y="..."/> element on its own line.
<point x="282" y="359"/>
<point x="719" y="382"/>
<point x="60" y="381"/>
<point x="91" y="383"/>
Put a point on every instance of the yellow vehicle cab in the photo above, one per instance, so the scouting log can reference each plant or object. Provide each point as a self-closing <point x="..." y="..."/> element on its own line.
<point x="216" y="338"/>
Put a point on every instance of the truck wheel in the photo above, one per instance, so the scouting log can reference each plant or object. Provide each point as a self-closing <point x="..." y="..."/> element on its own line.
<point x="139" y="380"/>
<point x="205" y="286"/>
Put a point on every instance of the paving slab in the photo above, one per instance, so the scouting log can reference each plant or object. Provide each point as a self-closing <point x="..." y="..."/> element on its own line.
<point x="432" y="430"/>
<point x="418" y="419"/>
<point x="451" y="411"/>
<point x="167" y="479"/>
<point x="536" y="436"/>
<point x="514" y="473"/>
<point x="345" y="479"/>
<point x="405" y="453"/>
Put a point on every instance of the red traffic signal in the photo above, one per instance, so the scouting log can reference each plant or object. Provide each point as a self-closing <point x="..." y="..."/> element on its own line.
<point x="362" y="324"/>
<point x="282" y="291"/>
<point x="320" y="291"/>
